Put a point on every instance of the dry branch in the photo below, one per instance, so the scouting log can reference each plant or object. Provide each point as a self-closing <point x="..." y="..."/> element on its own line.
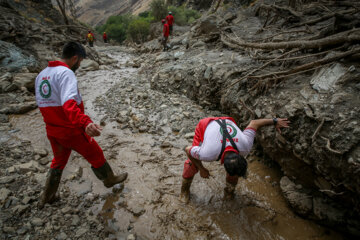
<point x="323" y="18"/>
<point x="339" y="38"/>
<point x="280" y="9"/>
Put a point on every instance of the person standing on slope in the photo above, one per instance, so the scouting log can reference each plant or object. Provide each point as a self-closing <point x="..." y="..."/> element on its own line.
<point x="219" y="138"/>
<point x="170" y="21"/>
<point x="105" y="38"/>
<point x="67" y="126"/>
<point x="165" y="34"/>
<point x="90" y="38"/>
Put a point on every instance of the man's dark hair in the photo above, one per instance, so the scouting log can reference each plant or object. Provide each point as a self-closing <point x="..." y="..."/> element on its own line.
<point x="73" y="49"/>
<point x="235" y="164"/>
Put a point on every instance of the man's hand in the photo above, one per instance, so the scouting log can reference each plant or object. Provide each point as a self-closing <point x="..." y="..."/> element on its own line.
<point x="204" y="173"/>
<point x="282" y="123"/>
<point x="93" y="130"/>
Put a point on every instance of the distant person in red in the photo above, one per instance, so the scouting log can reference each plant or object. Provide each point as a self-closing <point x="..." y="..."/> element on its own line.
<point x="165" y="34"/>
<point x="105" y="37"/>
<point x="170" y="21"/>
<point x="90" y="38"/>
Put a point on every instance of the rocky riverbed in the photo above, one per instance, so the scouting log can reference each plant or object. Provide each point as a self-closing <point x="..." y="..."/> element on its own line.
<point x="144" y="133"/>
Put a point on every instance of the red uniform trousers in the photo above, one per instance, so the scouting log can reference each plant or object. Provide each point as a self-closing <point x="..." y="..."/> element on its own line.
<point x="189" y="168"/>
<point x="87" y="147"/>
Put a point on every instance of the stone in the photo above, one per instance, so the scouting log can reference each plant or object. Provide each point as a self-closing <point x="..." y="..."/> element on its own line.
<point x="326" y="78"/>
<point x="299" y="200"/>
<point x="7" y="179"/>
<point x="27" y="167"/>
<point x="208" y="73"/>
<point x="26" y="80"/>
<point x="9" y="229"/>
<point x="165" y="144"/>
<point x="6" y="77"/>
<point x="26" y="200"/>
<point x="75" y="220"/>
<point x="19" y="209"/>
<point x="41" y="152"/>
<point x="189" y="135"/>
<point x="4" y="193"/>
<point x="9" y="87"/>
<point x="66" y="210"/>
<point x="37" y="222"/>
<point x="164" y="56"/>
<point x="177" y="55"/>
<point x="11" y="169"/>
<point x="13" y="58"/>
<point x="258" y="112"/>
<point x="229" y="16"/>
<point x="81" y="231"/>
<point x="198" y="44"/>
<point x="207" y="25"/>
<point x="61" y="236"/>
<point x="89" y="65"/>
<point x="131" y="237"/>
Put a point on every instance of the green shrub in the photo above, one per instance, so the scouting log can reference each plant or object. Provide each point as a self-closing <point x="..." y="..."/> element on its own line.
<point x="183" y="16"/>
<point x="144" y="14"/>
<point x="158" y="9"/>
<point x="138" y="30"/>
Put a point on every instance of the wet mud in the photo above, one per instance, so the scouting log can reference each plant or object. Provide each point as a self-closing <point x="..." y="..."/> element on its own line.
<point x="148" y="204"/>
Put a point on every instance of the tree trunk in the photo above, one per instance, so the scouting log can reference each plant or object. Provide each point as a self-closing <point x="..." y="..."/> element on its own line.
<point x="62" y="6"/>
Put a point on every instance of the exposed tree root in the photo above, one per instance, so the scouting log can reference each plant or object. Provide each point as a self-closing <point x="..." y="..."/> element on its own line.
<point x="339" y="38"/>
<point x="309" y="65"/>
<point x="328" y="146"/>
<point x="317" y="130"/>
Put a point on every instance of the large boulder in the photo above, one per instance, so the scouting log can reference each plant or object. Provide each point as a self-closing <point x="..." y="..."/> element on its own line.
<point x="26" y="80"/>
<point x="13" y="59"/>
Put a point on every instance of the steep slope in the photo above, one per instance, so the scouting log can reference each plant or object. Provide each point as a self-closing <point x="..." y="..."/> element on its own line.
<point x="95" y="12"/>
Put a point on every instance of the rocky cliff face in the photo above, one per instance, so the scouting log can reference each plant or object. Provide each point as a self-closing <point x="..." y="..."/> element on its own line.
<point x="32" y="33"/>
<point x="238" y="61"/>
<point x="96" y="13"/>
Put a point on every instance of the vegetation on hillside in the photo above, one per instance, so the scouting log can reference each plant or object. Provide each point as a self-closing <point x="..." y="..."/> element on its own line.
<point x="137" y="28"/>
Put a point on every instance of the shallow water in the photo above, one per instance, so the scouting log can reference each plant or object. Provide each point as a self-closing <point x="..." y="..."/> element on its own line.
<point x="148" y="206"/>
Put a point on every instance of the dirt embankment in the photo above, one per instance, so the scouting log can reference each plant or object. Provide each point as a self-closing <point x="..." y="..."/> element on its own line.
<point x="272" y="60"/>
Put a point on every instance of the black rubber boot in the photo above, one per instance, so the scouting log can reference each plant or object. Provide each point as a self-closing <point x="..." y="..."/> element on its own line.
<point x="185" y="190"/>
<point x="105" y="174"/>
<point x="51" y="187"/>
<point x="229" y="190"/>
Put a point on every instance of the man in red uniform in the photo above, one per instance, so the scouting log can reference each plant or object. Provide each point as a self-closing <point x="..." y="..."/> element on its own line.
<point x="67" y="126"/>
<point x="165" y="34"/>
<point x="90" y="38"/>
<point x="170" y="22"/>
<point x="219" y="138"/>
<point x="105" y="37"/>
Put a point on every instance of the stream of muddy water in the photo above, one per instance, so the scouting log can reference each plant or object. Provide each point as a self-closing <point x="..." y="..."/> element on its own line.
<point x="148" y="205"/>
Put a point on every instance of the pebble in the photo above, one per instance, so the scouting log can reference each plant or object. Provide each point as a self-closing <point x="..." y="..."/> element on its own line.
<point x="37" y="222"/>
<point x="131" y="237"/>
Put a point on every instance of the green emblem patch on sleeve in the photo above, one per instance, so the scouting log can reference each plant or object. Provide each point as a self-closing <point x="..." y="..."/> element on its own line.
<point x="45" y="89"/>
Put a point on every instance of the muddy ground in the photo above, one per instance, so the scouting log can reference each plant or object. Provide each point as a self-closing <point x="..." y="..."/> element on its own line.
<point x="144" y="133"/>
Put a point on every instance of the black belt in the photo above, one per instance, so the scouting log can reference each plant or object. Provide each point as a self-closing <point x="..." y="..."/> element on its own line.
<point x="226" y="136"/>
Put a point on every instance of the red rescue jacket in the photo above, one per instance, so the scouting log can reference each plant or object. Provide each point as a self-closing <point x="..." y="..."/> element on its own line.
<point x="60" y="102"/>
<point x="200" y="131"/>
<point x="166" y="30"/>
<point x="170" y="20"/>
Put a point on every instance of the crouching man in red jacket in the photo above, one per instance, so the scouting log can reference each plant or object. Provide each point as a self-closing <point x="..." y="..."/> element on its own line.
<point x="219" y="138"/>
<point x="67" y="126"/>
